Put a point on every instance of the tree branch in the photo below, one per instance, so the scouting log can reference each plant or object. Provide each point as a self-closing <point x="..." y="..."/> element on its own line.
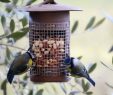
<point x="13" y="46"/>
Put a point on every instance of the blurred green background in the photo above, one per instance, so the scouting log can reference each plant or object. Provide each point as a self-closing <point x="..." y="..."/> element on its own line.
<point x="92" y="44"/>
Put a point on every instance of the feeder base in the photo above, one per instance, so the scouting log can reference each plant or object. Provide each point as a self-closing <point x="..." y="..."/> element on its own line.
<point x="36" y="78"/>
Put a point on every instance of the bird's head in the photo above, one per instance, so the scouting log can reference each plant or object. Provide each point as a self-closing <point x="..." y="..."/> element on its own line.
<point x="30" y="52"/>
<point x="67" y="60"/>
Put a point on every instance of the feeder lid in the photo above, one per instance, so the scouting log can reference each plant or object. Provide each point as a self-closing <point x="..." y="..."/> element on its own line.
<point x="50" y="7"/>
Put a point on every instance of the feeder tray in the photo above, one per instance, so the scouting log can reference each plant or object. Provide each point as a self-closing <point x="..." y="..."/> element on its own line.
<point x="50" y="37"/>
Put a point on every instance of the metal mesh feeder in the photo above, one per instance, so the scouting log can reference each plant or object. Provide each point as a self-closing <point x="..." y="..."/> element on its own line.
<point x="50" y="36"/>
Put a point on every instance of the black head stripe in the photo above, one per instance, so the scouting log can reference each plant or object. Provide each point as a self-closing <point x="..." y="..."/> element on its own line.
<point x="30" y="54"/>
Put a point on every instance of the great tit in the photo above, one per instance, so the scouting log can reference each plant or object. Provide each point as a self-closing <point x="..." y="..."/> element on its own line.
<point x="77" y="68"/>
<point x="20" y="65"/>
<point x="48" y="2"/>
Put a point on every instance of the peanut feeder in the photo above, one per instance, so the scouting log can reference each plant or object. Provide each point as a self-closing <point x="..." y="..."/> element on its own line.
<point x="50" y="37"/>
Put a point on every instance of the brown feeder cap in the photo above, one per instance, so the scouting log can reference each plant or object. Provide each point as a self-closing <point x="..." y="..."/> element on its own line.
<point x="50" y="7"/>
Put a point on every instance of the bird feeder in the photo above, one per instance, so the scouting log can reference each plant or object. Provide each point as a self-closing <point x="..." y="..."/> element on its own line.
<point x="50" y="37"/>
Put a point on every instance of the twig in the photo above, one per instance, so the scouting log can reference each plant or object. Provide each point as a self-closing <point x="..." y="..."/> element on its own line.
<point x="13" y="46"/>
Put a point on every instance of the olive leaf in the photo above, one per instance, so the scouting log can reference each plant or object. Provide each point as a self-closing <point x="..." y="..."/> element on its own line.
<point x="89" y="93"/>
<point x="12" y="25"/>
<point x="31" y="92"/>
<point x="3" y="85"/>
<point x="74" y="26"/>
<point x="40" y="92"/>
<point x="99" y="23"/>
<point x="92" y="68"/>
<point x="91" y="22"/>
<point x="24" y="21"/>
<point x="85" y="86"/>
<point x="15" y="2"/>
<point x="30" y="2"/>
<point x="109" y="85"/>
<point x="8" y="53"/>
<point x="3" y="21"/>
<point x="19" y="34"/>
<point x="106" y="66"/>
<point x="5" y="1"/>
<point x="111" y="49"/>
<point x="6" y="61"/>
<point x="74" y="92"/>
<point x="25" y="77"/>
<point x="80" y="57"/>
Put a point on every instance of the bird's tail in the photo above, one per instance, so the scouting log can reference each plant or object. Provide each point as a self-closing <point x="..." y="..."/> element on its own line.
<point x="91" y="81"/>
<point x="10" y="76"/>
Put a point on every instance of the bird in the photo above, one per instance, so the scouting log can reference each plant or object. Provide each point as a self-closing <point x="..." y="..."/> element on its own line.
<point x="20" y="64"/>
<point x="76" y="68"/>
<point x="48" y="2"/>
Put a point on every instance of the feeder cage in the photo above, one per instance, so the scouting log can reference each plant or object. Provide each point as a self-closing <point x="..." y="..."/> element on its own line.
<point x="50" y="37"/>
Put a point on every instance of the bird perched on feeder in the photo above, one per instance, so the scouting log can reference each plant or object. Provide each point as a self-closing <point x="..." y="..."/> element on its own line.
<point x="48" y="2"/>
<point x="20" y="65"/>
<point x="77" y="68"/>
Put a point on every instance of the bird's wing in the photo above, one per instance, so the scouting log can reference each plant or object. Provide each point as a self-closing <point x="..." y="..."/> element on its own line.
<point x="20" y="63"/>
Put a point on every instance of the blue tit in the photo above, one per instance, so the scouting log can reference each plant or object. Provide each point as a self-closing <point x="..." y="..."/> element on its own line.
<point x="20" y="65"/>
<point x="77" y="68"/>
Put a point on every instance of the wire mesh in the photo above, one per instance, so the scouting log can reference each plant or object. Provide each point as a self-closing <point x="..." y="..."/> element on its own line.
<point x="50" y="44"/>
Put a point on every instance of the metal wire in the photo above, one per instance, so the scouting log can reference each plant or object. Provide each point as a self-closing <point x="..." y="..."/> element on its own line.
<point x="51" y="44"/>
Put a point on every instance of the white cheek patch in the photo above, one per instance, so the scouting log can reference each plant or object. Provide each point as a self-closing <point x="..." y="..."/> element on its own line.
<point x="75" y="61"/>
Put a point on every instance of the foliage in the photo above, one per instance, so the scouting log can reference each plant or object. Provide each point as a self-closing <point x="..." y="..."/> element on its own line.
<point x="111" y="49"/>
<point x="109" y="17"/>
<point x="15" y="28"/>
<point x="91" y="24"/>
<point x="110" y="86"/>
<point x="92" y="68"/>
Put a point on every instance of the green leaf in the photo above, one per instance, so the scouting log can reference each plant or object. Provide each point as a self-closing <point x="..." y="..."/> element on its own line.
<point x="111" y="49"/>
<point x="99" y="23"/>
<point x="5" y="1"/>
<point x="74" y="93"/>
<point x="8" y="53"/>
<point x="18" y="35"/>
<point x="30" y="92"/>
<point x="89" y="93"/>
<point x="25" y="77"/>
<point x="109" y="85"/>
<point x="15" y="2"/>
<point x="91" y="22"/>
<point x="3" y="21"/>
<point x="80" y="57"/>
<point x="74" y="26"/>
<point x="85" y="86"/>
<point x="6" y="61"/>
<point x="30" y="2"/>
<point x="24" y="21"/>
<point x="40" y="92"/>
<point x="92" y="68"/>
<point x="106" y="66"/>
<point x="3" y="85"/>
<point x="8" y="10"/>
<point x="12" y="25"/>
